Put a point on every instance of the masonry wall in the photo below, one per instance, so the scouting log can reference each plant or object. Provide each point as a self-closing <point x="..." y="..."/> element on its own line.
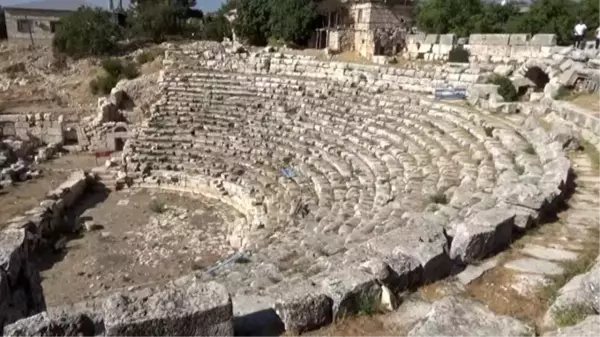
<point x="494" y="48"/>
<point x="47" y="128"/>
<point x="40" y="23"/>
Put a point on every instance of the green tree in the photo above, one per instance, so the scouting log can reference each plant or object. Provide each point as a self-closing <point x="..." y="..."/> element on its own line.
<point x="215" y="28"/>
<point x="292" y="20"/>
<point x="550" y="16"/>
<point x="287" y="20"/>
<point x="449" y="16"/>
<point x="252" y="21"/>
<point x="87" y="32"/>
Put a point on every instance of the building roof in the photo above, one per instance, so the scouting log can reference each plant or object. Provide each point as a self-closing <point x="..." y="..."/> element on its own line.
<point x="55" y="5"/>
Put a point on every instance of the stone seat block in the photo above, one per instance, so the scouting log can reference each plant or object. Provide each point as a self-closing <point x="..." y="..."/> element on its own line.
<point x="482" y="234"/>
<point x="184" y="307"/>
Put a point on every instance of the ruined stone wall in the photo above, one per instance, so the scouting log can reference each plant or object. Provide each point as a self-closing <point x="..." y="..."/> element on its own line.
<point x="47" y="127"/>
<point x="495" y="48"/>
<point x="413" y="77"/>
<point x="202" y="308"/>
<point x="21" y="293"/>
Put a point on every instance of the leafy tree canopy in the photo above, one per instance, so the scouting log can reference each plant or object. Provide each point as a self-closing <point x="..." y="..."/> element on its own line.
<point x="287" y="20"/>
<point x="87" y="32"/>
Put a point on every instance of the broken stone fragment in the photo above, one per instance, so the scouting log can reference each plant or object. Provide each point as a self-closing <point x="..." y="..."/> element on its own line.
<point x="457" y="316"/>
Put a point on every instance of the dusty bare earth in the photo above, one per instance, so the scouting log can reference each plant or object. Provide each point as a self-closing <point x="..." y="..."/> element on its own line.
<point x="136" y="244"/>
<point x="588" y="101"/>
<point x="35" y="80"/>
<point x="23" y="196"/>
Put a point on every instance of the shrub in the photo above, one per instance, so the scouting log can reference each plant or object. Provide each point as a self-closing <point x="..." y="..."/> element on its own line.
<point x="157" y="206"/>
<point x="103" y="84"/>
<point x="458" y="55"/>
<point x="506" y="89"/>
<point x="439" y="198"/>
<point x="86" y="32"/>
<point x="115" y="70"/>
<point x="216" y="28"/>
<point x="14" y="69"/>
<point x="129" y="70"/>
<point x="112" y="66"/>
<point x="148" y="56"/>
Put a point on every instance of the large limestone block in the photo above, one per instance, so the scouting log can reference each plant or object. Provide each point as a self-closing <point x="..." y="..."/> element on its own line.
<point x="70" y="190"/>
<point x="448" y="39"/>
<point x="588" y="327"/>
<point x="423" y="240"/>
<point x="303" y="306"/>
<point x="53" y="324"/>
<point x="581" y="292"/>
<point x="518" y="39"/>
<point x="13" y="253"/>
<point x="431" y="39"/>
<point x="520" y="194"/>
<point x="457" y="316"/>
<point x="543" y="40"/>
<point x="185" y="307"/>
<point x="482" y="234"/>
<point x="350" y="289"/>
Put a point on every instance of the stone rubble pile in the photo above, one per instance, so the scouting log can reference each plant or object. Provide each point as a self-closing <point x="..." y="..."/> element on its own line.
<point x="18" y="159"/>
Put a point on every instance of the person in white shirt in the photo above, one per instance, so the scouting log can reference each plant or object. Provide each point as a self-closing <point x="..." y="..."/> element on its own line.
<point x="580" y="29"/>
<point x="597" y="37"/>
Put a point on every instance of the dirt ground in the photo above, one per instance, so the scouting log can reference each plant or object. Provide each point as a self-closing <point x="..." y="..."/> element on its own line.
<point x="588" y="101"/>
<point x="136" y="244"/>
<point x="22" y="196"/>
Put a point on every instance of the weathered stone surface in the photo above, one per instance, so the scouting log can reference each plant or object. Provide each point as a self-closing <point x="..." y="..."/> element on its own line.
<point x="448" y="39"/>
<point x="457" y="316"/>
<point x="472" y="272"/>
<point x="531" y="265"/>
<point x="543" y="40"/>
<point x="183" y="307"/>
<point x="350" y="289"/>
<point x="482" y="234"/>
<point x="53" y="324"/>
<point x="552" y="254"/>
<point x="420" y="239"/>
<point x="588" y="327"/>
<point x="581" y="292"/>
<point x="304" y="311"/>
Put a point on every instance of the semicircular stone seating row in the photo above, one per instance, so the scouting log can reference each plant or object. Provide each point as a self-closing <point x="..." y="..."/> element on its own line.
<point x="345" y="184"/>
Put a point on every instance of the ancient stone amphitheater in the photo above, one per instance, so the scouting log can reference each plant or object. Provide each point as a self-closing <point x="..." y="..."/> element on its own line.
<point x="355" y="185"/>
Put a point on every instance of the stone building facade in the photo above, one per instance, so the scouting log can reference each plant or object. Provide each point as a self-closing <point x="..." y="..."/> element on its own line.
<point x="38" y="20"/>
<point x="370" y="27"/>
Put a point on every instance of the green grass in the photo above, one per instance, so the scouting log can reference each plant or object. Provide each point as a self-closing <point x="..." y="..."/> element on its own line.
<point x="569" y="316"/>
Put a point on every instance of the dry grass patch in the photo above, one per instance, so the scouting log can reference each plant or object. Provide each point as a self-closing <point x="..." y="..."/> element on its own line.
<point x="355" y="326"/>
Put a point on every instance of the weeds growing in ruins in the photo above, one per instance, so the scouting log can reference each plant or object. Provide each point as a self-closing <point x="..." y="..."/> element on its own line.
<point x="115" y="70"/>
<point x="148" y="56"/>
<point x="530" y="150"/>
<point x="591" y="151"/>
<point x="439" y="198"/>
<point x="157" y="206"/>
<point x="572" y="315"/>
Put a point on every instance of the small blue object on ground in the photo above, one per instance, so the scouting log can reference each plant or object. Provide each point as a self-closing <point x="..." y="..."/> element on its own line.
<point x="450" y="93"/>
<point x="288" y="172"/>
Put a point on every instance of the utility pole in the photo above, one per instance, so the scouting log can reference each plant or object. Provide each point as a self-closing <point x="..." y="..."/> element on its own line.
<point x="30" y="28"/>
